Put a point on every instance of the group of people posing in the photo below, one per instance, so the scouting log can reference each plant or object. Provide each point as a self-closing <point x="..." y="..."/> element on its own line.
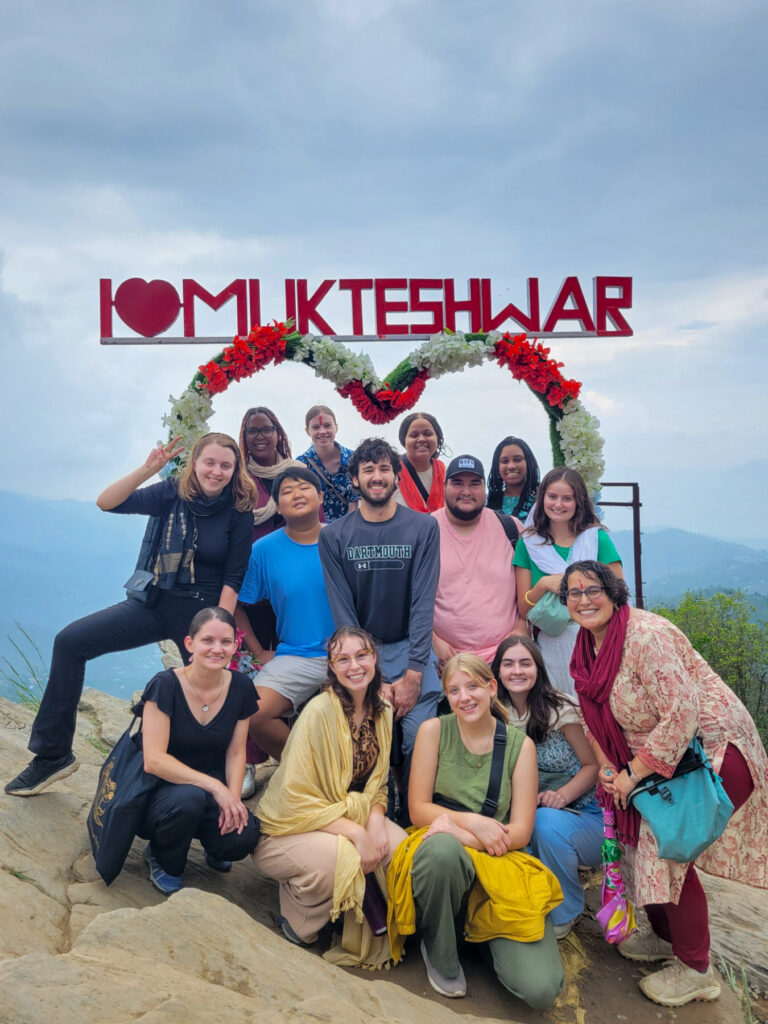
<point x="435" y="650"/>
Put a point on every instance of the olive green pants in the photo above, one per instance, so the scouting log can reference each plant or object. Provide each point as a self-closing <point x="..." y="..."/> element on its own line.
<point x="442" y="876"/>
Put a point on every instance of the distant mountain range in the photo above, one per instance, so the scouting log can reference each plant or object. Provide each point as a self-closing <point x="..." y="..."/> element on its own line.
<point x="64" y="559"/>
<point x="732" y="498"/>
<point x="674" y="561"/>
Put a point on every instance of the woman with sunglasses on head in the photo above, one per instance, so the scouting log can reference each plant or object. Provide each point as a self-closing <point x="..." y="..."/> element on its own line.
<point x="194" y="553"/>
<point x="472" y="797"/>
<point x="323" y="813"/>
<point x="328" y="460"/>
<point x="645" y="693"/>
<point x="421" y="485"/>
<point x="564" y="528"/>
<point x="514" y="478"/>
<point x="569" y="823"/>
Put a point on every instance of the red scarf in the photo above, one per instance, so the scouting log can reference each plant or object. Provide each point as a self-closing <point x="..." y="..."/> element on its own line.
<point x="594" y="676"/>
<point x="412" y="494"/>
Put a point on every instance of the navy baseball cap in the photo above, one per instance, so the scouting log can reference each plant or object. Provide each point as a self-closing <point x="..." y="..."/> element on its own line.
<point x="465" y="464"/>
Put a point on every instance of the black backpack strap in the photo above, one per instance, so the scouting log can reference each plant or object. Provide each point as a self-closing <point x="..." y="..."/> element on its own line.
<point x="491" y="804"/>
<point x="323" y="477"/>
<point x="509" y="526"/>
<point x="416" y="479"/>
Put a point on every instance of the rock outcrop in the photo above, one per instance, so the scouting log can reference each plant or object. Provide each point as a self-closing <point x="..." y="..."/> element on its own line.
<point x="72" y="949"/>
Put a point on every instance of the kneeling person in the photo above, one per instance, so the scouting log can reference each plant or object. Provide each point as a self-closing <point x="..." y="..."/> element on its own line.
<point x="285" y="569"/>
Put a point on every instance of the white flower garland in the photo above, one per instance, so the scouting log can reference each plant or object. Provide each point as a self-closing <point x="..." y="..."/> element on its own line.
<point x="451" y="353"/>
<point x="580" y="440"/>
<point x="582" y="444"/>
<point x="188" y="419"/>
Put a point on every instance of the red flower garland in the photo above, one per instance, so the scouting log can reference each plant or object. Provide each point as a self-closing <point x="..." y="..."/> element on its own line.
<point x="530" y="362"/>
<point x="384" y="405"/>
<point x="527" y="361"/>
<point x="244" y="357"/>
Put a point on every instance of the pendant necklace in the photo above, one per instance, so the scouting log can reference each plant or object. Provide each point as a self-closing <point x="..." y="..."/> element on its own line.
<point x="203" y="705"/>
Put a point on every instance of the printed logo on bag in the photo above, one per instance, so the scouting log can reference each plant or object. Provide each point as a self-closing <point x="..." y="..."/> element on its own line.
<point x="104" y="794"/>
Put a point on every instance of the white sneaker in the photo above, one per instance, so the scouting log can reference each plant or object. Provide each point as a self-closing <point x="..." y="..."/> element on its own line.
<point x="678" y="984"/>
<point x="645" y="946"/>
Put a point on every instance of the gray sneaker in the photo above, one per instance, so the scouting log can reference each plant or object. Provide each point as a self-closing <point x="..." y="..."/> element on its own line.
<point x="249" y="782"/>
<point x="40" y="773"/>
<point x="645" y="947"/>
<point x="452" y="988"/>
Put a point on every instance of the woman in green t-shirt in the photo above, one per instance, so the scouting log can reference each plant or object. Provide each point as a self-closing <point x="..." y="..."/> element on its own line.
<point x="565" y="529"/>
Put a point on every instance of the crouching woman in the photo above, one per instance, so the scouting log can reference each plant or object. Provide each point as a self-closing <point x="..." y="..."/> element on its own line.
<point x="465" y="862"/>
<point x="194" y="727"/>
<point x="327" y="839"/>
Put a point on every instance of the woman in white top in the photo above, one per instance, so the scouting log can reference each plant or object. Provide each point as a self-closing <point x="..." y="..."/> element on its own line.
<point x="564" y="530"/>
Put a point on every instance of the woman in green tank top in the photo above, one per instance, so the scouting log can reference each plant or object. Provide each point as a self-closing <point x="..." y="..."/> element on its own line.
<point x="450" y="774"/>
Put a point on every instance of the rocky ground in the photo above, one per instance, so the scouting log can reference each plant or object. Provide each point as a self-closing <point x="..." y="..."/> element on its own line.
<point x="72" y="949"/>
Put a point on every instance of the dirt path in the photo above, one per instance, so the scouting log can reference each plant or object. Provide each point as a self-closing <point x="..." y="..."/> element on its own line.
<point x="601" y="988"/>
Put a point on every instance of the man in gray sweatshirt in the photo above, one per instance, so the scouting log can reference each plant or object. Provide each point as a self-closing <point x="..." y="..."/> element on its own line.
<point x="381" y="565"/>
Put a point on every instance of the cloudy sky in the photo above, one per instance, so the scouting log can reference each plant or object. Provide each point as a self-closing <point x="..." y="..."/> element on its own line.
<point x="392" y="138"/>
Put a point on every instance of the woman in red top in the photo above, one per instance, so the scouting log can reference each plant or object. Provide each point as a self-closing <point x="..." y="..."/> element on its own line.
<point x="422" y="480"/>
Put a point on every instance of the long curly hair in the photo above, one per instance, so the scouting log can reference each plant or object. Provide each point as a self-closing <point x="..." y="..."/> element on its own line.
<point x="496" y="484"/>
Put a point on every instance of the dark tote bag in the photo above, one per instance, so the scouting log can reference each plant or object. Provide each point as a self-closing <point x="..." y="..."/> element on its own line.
<point x="118" y="806"/>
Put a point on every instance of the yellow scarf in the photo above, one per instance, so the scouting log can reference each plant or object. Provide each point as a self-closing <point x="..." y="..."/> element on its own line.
<point x="310" y="790"/>
<point x="509" y="899"/>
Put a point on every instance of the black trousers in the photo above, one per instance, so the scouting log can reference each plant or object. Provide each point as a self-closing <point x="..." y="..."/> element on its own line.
<point x="177" y="814"/>
<point x="118" y="628"/>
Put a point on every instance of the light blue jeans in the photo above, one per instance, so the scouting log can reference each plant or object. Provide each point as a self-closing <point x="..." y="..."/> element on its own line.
<point x="563" y="840"/>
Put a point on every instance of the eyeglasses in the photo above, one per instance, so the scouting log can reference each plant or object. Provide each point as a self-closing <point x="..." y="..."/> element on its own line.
<point x="344" y="661"/>
<point x="259" y="431"/>
<point x="590" y="592"/>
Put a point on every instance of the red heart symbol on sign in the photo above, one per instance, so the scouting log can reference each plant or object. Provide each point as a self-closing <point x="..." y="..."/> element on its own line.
<point x="147" y="307"/>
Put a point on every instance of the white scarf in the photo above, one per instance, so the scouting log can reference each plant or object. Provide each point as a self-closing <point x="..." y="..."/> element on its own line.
<point x="551" y="561"/>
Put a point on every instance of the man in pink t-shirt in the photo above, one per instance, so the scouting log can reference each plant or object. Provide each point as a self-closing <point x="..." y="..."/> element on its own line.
<point x="476" y="600"/>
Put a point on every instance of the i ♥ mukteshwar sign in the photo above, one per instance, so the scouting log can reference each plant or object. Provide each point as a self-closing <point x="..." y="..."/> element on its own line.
<point x="385" y="308"/>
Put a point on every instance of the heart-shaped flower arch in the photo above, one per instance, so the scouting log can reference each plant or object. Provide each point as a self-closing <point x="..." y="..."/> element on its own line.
<point x="574" y="433"/>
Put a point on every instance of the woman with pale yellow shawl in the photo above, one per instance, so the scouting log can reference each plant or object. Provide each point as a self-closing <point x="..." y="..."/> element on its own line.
<point x="323" y="814"/>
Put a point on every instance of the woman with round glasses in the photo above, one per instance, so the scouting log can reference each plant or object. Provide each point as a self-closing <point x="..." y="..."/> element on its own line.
<point x="645" y="693"/>
<point x="266" y="454"/>
<point x="326" y="838"/>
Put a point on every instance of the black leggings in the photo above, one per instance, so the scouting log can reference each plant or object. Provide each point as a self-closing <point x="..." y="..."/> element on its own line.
<point x="118" y="628"/>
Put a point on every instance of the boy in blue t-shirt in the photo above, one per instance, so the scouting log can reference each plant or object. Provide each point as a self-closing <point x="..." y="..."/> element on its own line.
<point x="285" y="569"/>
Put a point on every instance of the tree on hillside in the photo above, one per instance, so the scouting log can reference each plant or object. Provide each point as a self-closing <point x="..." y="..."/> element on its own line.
<point x="721" y="629"/>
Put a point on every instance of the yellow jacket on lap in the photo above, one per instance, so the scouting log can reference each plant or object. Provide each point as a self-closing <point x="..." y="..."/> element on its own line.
<point x="509" y="899"/>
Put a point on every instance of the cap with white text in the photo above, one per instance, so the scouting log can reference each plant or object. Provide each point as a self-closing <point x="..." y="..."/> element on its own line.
<point x="465" y="464"/>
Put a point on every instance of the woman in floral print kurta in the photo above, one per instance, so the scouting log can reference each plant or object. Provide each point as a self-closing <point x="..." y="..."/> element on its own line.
<point x="657" y="692"/>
